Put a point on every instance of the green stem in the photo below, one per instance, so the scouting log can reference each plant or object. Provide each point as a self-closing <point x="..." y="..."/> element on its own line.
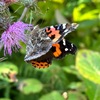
<point x="23" y="14"/>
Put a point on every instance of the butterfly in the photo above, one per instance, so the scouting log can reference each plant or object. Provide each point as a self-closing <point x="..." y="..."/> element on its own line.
<point x="47" y="43"/>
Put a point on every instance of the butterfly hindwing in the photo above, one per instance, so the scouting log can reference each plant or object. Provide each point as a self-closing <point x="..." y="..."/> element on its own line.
<point x="42" y="62"/>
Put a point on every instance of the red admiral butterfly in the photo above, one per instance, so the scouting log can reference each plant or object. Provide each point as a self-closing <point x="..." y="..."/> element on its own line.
<point x="47" y="43"/>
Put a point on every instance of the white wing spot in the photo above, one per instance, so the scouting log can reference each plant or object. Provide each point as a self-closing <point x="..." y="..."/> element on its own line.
<point x="72" y="45"/>
<point x="64" y="26"/>
<point x="66" y="49"/>
<point x="70" y="49"/>
<point x="51" y="26"/>
<point x="64" y="42"/>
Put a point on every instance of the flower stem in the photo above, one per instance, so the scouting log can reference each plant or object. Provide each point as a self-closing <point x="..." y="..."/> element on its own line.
<point x="23" y="14"/>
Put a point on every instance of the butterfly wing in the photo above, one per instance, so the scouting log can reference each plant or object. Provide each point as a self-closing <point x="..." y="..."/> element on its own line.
<point x="43" y="61"/>
<point x="62" y="48"/>
<point x="57" y="32"/>
<point x="38" y="44"/>
<point x="40" y="64"/>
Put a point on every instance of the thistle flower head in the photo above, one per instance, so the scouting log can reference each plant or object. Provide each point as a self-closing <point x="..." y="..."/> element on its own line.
<point x="9" y="1"/>
<point x="11" y="37"/>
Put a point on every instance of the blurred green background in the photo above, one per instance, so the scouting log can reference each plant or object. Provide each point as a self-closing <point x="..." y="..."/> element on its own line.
<point x="78" y="76"/>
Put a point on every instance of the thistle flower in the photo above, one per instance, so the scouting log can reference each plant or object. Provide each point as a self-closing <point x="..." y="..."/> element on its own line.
<point x="9" y="1"/>
<point x="11" y="37"/>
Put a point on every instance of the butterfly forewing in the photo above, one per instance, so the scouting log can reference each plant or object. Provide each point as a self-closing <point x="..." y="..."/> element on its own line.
<point x="57" y="32"/>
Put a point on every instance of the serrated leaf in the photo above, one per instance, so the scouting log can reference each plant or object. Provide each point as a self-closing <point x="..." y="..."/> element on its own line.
<point x="52" y="96"/>
<point x="8" y="71"/>
<point x="88" y="65"/>
<point x="28" y="86"/>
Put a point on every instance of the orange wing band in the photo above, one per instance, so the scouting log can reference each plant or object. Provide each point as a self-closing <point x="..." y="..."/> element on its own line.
<point x="58" y="52"/>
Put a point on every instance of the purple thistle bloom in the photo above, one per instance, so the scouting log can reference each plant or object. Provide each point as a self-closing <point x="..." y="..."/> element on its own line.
<point x="11" y="37"/>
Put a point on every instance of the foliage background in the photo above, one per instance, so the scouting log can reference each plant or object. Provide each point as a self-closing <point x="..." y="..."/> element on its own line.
<point x="77" y="75"/>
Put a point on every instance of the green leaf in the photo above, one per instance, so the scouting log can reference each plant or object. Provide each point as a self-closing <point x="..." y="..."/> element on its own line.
<point x="88" y="65"/>
<point x="58" y="1"/>
<point x="88" y="15"/>
<point x="75" y="85"/>
<point x="74" y="95"/>
<point x="8" y="71"/>
<point x="28" y="86"/>
<point x="92" y="90"/>
<point x="69" y="69"/>
<point x="5" y="99"/>
<point x="84" y="1"/>
<point x="52" y="96"/>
